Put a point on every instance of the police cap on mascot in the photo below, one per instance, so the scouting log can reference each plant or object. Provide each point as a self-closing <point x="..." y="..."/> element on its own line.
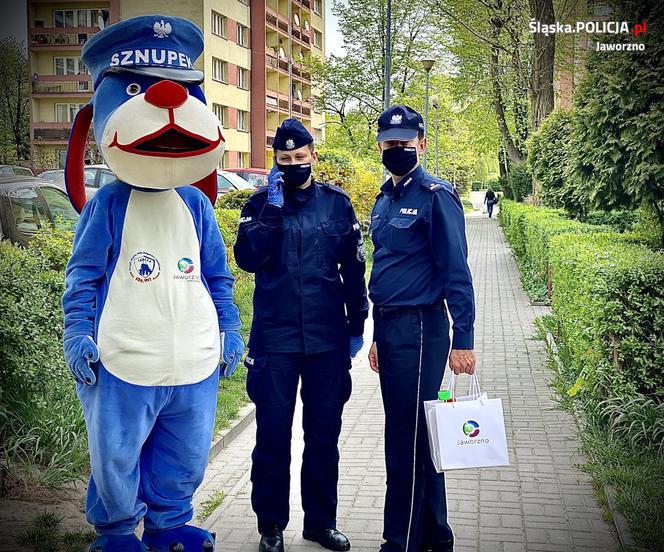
<point x="148" y="304"/>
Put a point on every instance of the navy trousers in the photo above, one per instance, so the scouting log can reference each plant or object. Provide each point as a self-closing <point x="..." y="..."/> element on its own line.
<point x="272" y="381"/>
<point x="489" y="207"/>
<point x="412" y="350"/>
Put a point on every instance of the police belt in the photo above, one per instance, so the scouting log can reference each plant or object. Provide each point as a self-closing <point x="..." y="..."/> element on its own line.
<point x="388" y="313"/>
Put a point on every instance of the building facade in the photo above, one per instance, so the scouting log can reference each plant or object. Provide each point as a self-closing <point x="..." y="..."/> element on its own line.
<point x="253" y="65"/>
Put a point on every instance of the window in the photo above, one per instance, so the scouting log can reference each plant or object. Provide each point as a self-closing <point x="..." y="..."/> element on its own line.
<point x="27" y="210"/>
<point x="318" y="7"/>
<point x="242" y="156"/>
<point x="80" y="18"/>
<point x="61" y="210"/>
<point x="242" y="120"/>
<point x="218" y="24"/>
<point x="243" y="78"/>
<point x="318" y="39"/>
<point x="242" y="35"/>
<point x="63" y="18"/>
<point x="219" y="70"/>
<point x="221" y="112"/>
<point x="65" y="112"/>
<point x="69" y="66"/>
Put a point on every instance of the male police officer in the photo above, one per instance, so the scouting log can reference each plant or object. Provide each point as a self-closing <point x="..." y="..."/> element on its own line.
<point x="303" y="242"/>
<point x="417" y="228"/>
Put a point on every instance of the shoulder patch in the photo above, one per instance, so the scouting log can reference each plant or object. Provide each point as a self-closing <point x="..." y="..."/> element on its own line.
<point x="435" y="185"/>
<point x="336" y="189"/>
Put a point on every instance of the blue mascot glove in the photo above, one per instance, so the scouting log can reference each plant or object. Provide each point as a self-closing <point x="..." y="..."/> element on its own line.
<point x="232" y="351"/>
<point x="80" y="352"/>
<point x="355" y="345"/>
<point x="275" y="187"/>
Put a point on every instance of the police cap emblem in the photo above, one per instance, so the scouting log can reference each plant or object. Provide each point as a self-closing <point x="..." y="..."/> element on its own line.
<point x="290" y="144"/>
<point x="161" y="29"/>
<point x="396" y="119"/>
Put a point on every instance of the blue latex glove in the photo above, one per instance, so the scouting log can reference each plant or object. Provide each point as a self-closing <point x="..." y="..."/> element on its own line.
<point x="275" y="187"/>
<point x="80" y="352"/>
<point x="231" y="352"/>
<point x="356" y="344"/>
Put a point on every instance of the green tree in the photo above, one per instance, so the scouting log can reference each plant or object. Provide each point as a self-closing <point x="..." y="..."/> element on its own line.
<point x="617" y="152"/>
<point x="14" y="111"/>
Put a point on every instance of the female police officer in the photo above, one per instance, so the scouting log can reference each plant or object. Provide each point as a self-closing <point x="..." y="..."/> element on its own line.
<point x="417" y="227"/>
<point x="303" y="242"/>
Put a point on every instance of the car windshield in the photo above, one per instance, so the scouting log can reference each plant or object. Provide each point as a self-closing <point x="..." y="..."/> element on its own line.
<point x="22" y="171"/>
<point x="63" y="213"/>
<point x="237" y="181"/>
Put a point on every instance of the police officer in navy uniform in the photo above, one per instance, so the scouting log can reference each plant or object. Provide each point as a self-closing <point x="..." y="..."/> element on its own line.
<point x="420" y="265"/>
<point x="303" y="242"/>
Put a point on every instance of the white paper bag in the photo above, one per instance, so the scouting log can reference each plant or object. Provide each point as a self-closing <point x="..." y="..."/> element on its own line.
<point x="466" y="434"/>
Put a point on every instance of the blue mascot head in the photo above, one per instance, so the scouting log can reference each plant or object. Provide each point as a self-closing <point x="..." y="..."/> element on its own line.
<point x="148" y="111"/>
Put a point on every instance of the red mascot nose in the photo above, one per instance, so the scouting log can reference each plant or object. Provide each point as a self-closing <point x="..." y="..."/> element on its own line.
<point x="166" y="94"/>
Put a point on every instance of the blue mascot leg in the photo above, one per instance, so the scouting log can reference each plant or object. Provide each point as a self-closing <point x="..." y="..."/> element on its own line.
<point x="119" y="417"/>
<point x="173" y="464"/>
<point x="117" y="543"/>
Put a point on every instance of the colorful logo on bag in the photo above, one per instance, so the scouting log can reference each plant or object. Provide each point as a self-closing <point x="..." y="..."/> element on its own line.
<point x="185" y="265"/>
<point x="144" y="267"/>
<point x="471" y="428"/>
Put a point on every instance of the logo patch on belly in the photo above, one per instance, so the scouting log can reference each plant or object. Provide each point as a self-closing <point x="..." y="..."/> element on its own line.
<point x="144" y="267"/>
<point x="186" y="267"/>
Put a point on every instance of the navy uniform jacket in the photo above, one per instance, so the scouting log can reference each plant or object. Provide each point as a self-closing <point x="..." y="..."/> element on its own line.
<point x="420" y="255"/>
<point x="308" y="258"/>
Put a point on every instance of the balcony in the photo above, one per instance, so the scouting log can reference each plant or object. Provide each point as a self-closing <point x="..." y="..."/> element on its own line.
<point x="62" y="85"/>
<point x="51" y="132"/>
<point x="60" y="38"/>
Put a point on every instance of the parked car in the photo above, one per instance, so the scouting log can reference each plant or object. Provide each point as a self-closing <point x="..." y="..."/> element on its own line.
<point x="27" y="203"/>
<point x="257" y="177"/>
<point x="16" y="169"/>
<point x="96" y="176"/>
<point x="53" y="175"/>
<point x="227" y="181"/>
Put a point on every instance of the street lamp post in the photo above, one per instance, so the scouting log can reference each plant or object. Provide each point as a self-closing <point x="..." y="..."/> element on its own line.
<point x="388" y="55"/>
<point x="427" y="64"/>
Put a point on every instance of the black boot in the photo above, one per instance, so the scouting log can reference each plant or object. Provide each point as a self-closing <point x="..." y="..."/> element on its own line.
<point x="272" y="540"/>
<point x="328" y="538"/>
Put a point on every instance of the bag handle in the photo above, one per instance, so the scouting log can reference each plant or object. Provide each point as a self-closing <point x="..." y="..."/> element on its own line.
<point x="474" y="388"/>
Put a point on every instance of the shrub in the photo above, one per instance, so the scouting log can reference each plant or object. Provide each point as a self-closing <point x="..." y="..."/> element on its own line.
<point x="520" y="182"/>
<point x="234" y="199"/>
<point x="619" y="220"/>
<point x="608" y="300"/>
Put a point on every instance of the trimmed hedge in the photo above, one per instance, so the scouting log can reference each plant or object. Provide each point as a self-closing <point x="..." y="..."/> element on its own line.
<point x="608" y="299"/>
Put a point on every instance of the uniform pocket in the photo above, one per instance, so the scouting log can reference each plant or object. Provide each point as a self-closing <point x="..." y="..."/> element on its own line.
<point x="330" y="237"/>
<point x="402" y="232"/>
<point x="255" y="363"/>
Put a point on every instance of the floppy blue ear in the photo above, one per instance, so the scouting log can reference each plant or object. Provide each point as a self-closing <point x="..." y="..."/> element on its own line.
<point x="75" y="160"/>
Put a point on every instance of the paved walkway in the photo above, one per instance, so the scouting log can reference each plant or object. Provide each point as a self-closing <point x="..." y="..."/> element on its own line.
<point x="542" y="502"/>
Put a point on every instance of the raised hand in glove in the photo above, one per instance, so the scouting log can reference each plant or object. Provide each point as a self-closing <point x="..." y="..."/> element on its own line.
<point x="275" y="187"/>
<point x="80" y="352"/>
<point x="232" y="349"/>
<point x="356" y="344"/>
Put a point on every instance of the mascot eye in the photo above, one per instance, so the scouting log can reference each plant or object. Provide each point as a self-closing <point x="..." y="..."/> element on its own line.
<point x="133" y="89"/>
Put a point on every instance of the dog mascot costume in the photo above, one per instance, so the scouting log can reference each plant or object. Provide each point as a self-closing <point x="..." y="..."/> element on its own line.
<point x="148" y="301"/>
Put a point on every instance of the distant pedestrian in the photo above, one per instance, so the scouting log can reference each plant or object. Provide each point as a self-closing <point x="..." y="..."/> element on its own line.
<point x="490" y="199"/>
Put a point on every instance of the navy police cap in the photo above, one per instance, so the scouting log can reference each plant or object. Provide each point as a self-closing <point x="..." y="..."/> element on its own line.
<point x="292" y="134"/>
<point x="399" y="122"/>
<point x="155" y="45"/>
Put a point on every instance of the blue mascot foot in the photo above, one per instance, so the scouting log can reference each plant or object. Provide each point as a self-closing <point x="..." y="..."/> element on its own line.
<point x="117" y="543"/>
<point x="182" y="539"/>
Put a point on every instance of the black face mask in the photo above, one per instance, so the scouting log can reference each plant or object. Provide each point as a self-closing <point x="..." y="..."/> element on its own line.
<point x="295" y="175"/>
<point x="400" y="161"/>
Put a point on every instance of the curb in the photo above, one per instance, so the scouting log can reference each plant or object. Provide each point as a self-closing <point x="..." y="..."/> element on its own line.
<point x="618" y="519"/>
<point x="225" y="437"/>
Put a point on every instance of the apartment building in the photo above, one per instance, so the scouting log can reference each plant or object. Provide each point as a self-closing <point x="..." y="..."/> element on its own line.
<point x="253" y="65"/>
